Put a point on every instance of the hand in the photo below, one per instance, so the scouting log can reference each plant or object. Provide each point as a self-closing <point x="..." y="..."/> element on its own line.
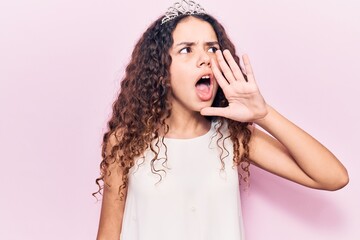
<point x="246" y="104"/>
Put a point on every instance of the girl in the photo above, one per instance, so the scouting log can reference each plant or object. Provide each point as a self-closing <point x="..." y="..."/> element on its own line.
<point x="182" y="133"/>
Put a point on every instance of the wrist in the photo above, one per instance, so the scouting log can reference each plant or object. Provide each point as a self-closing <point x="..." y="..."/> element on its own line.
<point x="262" y="120"/>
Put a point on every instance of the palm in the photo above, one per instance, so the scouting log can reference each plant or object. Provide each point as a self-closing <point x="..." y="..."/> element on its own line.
<point x="246" y="104"/>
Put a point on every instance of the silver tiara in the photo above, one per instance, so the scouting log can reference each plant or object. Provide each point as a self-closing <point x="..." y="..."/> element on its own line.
<point x="182" y="8"/>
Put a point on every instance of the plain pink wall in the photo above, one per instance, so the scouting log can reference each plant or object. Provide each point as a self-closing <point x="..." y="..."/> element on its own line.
<point x="60" y="65"/>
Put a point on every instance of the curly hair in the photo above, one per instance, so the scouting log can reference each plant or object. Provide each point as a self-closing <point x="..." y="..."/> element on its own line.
<point x="142" y="106"/>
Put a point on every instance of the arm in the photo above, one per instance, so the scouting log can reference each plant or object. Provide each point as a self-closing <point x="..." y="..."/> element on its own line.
<point x="112" y="208"/>
<point x="291" y="152"/>
<point x="294" y="154"/>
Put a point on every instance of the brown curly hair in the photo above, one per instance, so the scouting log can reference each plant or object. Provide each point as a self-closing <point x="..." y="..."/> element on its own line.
<point x="142" y="105"/>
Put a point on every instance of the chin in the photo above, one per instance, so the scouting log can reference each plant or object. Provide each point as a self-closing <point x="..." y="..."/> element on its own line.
<point x="204" y="105"/>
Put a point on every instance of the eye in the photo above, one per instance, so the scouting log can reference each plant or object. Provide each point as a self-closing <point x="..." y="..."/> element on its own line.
<point x="185" y="50"/>
<point x="213" y="49"/>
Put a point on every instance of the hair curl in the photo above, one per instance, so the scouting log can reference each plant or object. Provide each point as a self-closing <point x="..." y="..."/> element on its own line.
<point x="140" y="110"/>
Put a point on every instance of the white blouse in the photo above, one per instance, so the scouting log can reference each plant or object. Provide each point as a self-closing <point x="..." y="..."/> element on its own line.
<point x="194" y="200"/>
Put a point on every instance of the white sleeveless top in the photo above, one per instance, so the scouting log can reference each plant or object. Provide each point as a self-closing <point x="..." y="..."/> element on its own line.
<point x="194" y="199"/>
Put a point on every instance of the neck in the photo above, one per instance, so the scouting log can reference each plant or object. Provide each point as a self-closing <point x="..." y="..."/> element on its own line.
<point x="186" y="124"/>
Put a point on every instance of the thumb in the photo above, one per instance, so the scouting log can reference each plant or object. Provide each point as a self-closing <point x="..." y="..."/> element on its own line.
<point x="214" y="111"/>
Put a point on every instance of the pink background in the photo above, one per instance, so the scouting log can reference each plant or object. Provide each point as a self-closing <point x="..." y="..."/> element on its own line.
<point x="60" y="64"/>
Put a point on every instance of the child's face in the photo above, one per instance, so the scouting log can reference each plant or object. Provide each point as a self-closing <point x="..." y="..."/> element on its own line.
<point x="192" y="82"/>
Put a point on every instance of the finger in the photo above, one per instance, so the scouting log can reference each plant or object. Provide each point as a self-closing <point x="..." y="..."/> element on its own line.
<point x="214" y="111"/>
<point x="235" y="68"/>
<point x="224" y="67"/>
<point x="223" y="83"/>
<point x="242" y="69"/>
<point x="248" y="68"/>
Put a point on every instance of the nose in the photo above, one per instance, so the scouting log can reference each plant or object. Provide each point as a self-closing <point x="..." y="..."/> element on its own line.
<point x="204" y="59"/>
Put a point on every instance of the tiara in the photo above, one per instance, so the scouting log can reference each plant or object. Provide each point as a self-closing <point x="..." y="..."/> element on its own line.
<point x="182" y="8"/>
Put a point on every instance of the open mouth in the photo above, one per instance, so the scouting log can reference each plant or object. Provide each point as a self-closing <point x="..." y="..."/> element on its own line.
<point x="203" y="82"/>
<point x="204" y="88"/>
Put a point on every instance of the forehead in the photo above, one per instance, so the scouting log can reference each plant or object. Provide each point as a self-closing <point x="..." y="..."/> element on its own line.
<point x="192" y="29"/>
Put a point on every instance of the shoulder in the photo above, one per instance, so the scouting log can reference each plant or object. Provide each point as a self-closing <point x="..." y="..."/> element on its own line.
<point x="112" y="141"/>
<point x="113" y="171"/>
<point x="112" y="151"/>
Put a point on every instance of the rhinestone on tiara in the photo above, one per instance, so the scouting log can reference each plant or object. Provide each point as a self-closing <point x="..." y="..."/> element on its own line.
<point x="182" y="8"/>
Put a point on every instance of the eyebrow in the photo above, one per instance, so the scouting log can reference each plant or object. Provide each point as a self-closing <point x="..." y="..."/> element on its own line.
<point x="193" y="43"/>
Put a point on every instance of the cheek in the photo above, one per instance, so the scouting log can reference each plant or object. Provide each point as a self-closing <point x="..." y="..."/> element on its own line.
<point x="177" y="85"/>
<point x="216" y="86"/>
<point x="176" y="72"/>
<point x="215" y="89"/>
<point x="213" y="57"/>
